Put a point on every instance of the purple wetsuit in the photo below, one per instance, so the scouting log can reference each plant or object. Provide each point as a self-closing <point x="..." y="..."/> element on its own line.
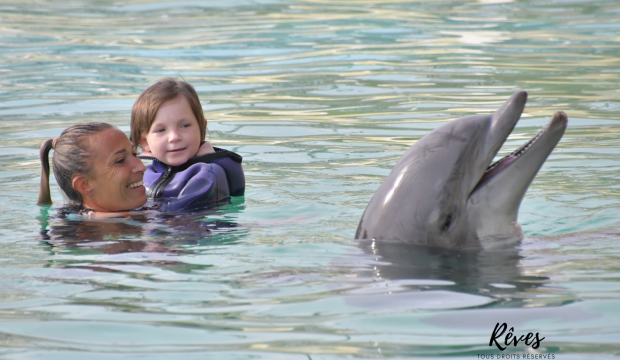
<point x="204" y="179"/>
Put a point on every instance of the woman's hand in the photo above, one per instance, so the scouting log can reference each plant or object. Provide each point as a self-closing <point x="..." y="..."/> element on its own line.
<point x="205" y="149"/>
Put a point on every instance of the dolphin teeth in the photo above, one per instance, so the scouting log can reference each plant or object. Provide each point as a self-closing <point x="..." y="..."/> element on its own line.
<point x="521" y="150"/>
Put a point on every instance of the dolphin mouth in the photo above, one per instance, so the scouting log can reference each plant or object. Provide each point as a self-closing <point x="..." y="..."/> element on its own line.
<point x="556" y="124"/>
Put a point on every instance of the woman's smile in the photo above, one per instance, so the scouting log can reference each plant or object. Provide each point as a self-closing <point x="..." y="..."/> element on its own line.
<point x="117" y="176"/>
<point x="136" y="185"/>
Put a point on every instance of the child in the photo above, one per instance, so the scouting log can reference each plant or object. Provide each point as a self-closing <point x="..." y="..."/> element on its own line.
<point x="168" y="122"/>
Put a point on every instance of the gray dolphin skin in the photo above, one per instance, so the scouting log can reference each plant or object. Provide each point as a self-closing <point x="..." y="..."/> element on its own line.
<point x="444" y="191"/>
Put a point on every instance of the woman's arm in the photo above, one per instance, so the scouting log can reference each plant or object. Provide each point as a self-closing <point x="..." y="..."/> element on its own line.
<point x="109" y="215"/>
<point x="205" y="149"/>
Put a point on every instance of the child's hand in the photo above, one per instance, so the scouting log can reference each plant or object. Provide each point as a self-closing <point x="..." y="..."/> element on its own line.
<point x="205" y="148"/>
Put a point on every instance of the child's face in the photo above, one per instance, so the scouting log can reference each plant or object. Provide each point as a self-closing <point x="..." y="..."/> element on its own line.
<point x="174" y="136"/>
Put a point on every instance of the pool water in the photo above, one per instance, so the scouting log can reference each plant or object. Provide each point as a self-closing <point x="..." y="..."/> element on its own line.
<point x="320" y="98"/>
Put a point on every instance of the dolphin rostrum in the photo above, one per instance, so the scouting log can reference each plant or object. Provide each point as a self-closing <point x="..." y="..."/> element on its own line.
<point x="444" y="191"/>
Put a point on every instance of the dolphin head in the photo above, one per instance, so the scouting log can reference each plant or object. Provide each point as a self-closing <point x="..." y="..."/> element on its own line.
<point x="445" y="192"/>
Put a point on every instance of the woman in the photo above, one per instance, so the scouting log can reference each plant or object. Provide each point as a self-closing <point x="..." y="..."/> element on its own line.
<point x="96" y="169"/>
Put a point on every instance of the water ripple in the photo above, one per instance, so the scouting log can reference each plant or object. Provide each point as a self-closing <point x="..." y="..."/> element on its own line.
<point x="321" y="98"/>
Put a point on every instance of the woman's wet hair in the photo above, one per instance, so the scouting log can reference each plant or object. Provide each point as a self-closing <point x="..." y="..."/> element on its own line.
<point x="72" y="156"/>
<point x="148" y="103"/>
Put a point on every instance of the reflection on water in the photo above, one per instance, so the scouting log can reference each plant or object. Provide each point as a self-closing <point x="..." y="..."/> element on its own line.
<point x="159" y="233"/>
<point x="497" y="272"/>
<point x="321" y="98"/>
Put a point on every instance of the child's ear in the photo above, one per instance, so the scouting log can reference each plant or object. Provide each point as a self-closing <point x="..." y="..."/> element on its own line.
<point x="144" y="144"/>
<point x="81" y="185"/>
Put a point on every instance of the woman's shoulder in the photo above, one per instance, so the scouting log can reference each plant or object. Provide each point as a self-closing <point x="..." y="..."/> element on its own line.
<point x="92" y="214"/>
<point x="218" y="153"/>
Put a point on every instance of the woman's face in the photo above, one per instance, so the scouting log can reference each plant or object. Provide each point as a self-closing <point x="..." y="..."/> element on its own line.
<point x="115" y="179"/>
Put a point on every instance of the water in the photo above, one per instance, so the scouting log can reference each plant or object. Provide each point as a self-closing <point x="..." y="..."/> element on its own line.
<point x="321" y="98"/>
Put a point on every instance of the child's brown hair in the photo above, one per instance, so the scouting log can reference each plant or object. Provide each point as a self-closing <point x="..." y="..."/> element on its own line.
<point x="145" y="108"/>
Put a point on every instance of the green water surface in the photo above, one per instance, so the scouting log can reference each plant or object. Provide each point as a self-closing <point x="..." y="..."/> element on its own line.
<point x="321" y="98"/>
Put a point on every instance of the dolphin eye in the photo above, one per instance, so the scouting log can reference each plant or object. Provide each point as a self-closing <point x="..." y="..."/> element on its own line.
<point x="447" y="223"/>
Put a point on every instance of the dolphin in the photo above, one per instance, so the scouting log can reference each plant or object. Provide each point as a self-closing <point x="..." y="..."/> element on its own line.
<point x="445" y="192"/>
